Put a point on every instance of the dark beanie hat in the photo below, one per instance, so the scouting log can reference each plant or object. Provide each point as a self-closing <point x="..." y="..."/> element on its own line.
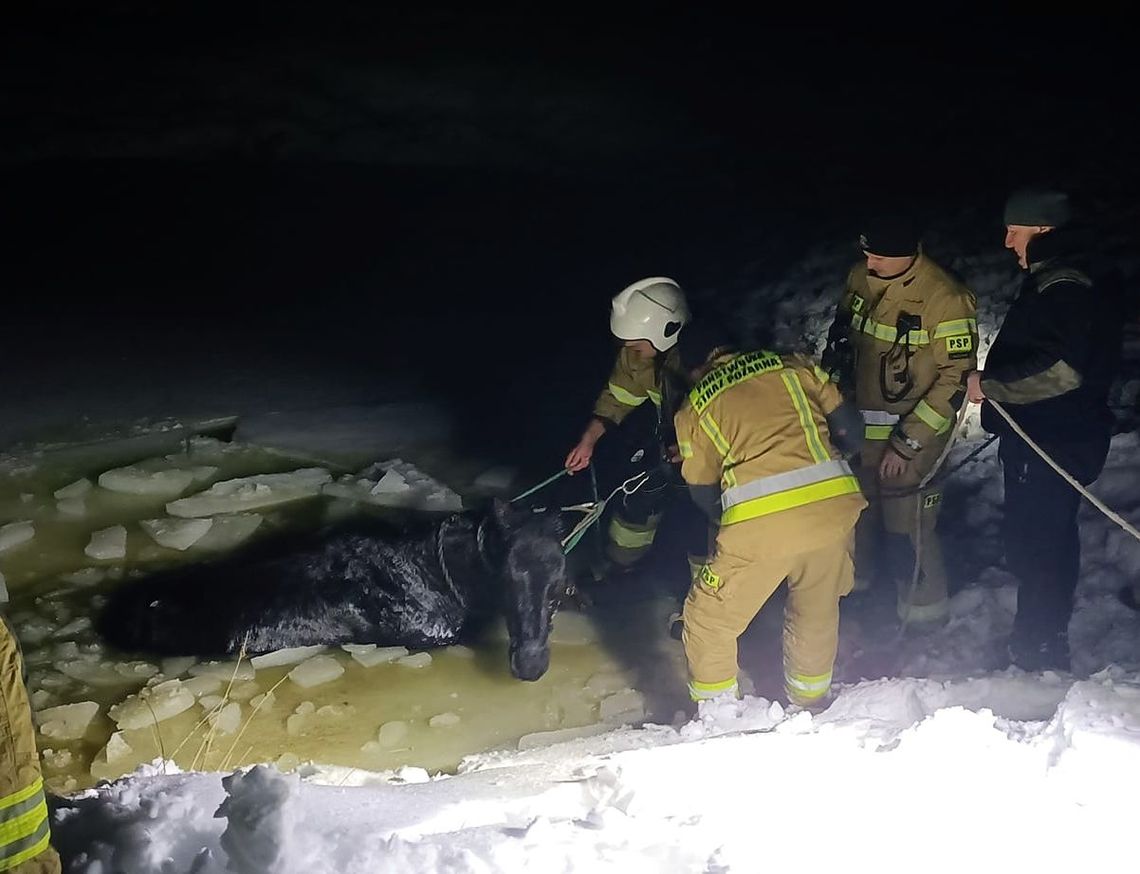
<point x="698" y="340"/>
<point x="890" y="235"/>
<point x="1035" y="207"/>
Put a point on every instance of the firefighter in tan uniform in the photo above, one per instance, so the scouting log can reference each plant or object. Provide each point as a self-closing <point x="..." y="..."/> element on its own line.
<point x="647" y="316"/>
<point x="24" y="837"/>
<point x="756" y="439"/>
<point x="904" y="339"/>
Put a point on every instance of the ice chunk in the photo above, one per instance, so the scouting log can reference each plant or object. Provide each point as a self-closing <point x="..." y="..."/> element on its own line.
<point x="244" y="691"/>
<point x="144" y="479"/>
<point x="15" y="534"/>
<point x="68" y="721"/>
<point x="301" y="720"/>
<point x="117" y="748"/>
<point x="177" y="666"/>
<point x="88" y="576"/>
<point x="573" y="628"/>
<point x="287" y="762"/>
<point x="57" y="759"/>
<point x="547" y="738"/>
<point x="369" y="655"/>
<point x="263" y="702"/>
<point x="74" y="507"/>
<point x="201" y="686"/>
<point x="336" y="711"/>
<point x="288" y="656"/>
<point x="108" y="544"/>
<point x="419" y="660"/>
<point x="317" y="670"/>
<point x="152" y="704"/>
<point x="444" y="720"/>
<point x="74" y="628"/>
<point x="94" y="672"/>
<point x="77" y="489"/>
<point x="625" y="706"/>
<point x="3" y="588"/>
<point x="229" y="531"/>
<point x="41" y="699"/>
<point x="247" y="493"/>
<point x="178" y="534"/>
<point x="461" y="651"/>
<point x="227" y="720"/>
<point x="33" y="630"/>
<point x="391" y="483"/>
<point x="606" y="683"/>
<point x="392" y="734"/>
<point x="224" y="670"/>
<point x="209" y="703"/>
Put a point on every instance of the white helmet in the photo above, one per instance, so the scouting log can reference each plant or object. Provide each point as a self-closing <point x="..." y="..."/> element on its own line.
<point x="653" y="309"/>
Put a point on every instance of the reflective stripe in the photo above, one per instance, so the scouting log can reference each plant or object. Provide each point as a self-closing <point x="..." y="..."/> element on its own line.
<point x="782" y="482"/>
<point x="878" y="432"/>
<point x="955" y="326"/>
<point x="807" y="421"/>
<point x="655" y="397"/>
<point x="932" y="417"/>
<point x="623" y="396"/>
<point x="889" y="333"/>
<point x="685" y="448"/>
<point x="627" y="536"/>
<point x="821" y="374"/>
<point x="879" y="417"/>
<point x="23" y="825"/>
<point x="807" y="688"/>
<point x="704" y="691"/>
<point x="710" y="427"/>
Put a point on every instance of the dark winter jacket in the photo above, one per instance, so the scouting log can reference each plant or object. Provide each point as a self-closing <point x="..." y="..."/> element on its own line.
<point x="1058" y="350"/>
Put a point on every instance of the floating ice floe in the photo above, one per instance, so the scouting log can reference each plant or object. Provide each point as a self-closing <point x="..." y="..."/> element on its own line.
<point x="392" y="734"/>
<point x="152" y="479"/>
<point x="369" y="655"/>
<point x="152" y="704"/>
<point x="77" y="489"/>
<point x="178" y="534"/>
<point x="227" y="720"/>
<point x="316" y="671"/>
<point x="252" y="492"/>
<point x="75" y="508"/>
<point x="263" y="702"/>
<point x="16" y="534"/>
<point x="396" y="483"/>
<point x="95" y="672"/>
<point x="289" y="656"/>
<point x="117" y="748"/>
<point x="200" y="687"/>
<point x="444" y="720"/>
<point x="244" y="691"/>
<point x="419" y="660"/>
<point x="224" y="670"/>
<point x="88" y="576"/>
<point x="108" y="544"/>
<point x="68" y="721"/>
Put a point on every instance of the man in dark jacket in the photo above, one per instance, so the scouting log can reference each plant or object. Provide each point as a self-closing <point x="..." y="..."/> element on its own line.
<point x="1050" y="367"/>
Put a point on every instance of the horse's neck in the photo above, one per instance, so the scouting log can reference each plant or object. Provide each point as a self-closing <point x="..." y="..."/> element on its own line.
<point x="457" y="550"/>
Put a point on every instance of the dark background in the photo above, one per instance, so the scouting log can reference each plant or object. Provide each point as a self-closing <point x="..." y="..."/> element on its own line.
<point x="408" y="200"/>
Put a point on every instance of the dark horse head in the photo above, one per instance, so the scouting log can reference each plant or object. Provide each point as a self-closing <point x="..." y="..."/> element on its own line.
<point x="535" y="578"/>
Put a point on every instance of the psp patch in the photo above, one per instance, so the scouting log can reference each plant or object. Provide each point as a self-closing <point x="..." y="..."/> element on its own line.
<point x="960" y="345"/>
<point x="932" y="500"/>
<point x="708" y="578"/>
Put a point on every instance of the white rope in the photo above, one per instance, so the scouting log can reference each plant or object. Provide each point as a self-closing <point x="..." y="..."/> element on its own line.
<point x="595" y="509"/>
<point x="1064" y="474"/>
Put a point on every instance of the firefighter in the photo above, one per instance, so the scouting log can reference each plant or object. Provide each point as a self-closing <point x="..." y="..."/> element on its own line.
<point x="904" y="338"/>
<point x="24" y="836"/>
<point x="756" y="438"/>
<point x="647" y="317"/>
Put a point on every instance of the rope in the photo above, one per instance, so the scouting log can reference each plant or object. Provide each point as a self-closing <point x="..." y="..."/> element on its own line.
<point x="1064" y="474"/>
<point x="595" y="509"/>
<point x="563" y="472"/>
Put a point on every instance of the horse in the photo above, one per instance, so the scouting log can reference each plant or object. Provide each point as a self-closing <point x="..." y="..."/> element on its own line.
<point x="426" y="584"/>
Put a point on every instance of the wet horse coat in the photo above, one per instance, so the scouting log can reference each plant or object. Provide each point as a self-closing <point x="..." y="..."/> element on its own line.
<point x="430" y="585"/>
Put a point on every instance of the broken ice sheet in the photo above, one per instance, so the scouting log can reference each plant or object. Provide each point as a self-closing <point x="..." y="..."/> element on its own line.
<point x="252" y="492"/>
<point x="149" y="478"/>
<point x="178" y="534"/>
<point x="68" y="721"/>
<point x="77" y="489"/>
<point x="369" y="655"/>
<point x="316" y="671"/>
<point x="152" y="704"/>
<point x="16" y="534"/>
<point x="108" y="544"/>
<point x="289" y="656"/>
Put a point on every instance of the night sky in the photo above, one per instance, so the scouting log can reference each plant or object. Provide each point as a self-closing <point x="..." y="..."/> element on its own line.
<point x="453" y="196"/>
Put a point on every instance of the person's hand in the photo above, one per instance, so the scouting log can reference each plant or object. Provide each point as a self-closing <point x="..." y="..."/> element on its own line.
<point x="893" y="465"/>
<point x="580" y="455"/>
<point x="673" y="454"/>
<point x="974" y="393"/>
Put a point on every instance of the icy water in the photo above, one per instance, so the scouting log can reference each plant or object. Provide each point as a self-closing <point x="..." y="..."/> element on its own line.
<point x="427" y="710"/>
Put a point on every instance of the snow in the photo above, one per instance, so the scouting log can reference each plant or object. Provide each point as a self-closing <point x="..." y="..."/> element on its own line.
<point x="251" y="493"/>
<point x="108" y="544"/>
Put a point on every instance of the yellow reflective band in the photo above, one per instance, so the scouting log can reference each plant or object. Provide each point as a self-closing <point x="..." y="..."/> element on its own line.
<point x="22" y="795"/>
<point x="702" y="691"/>
<point x="685" y="448"/>
<point x="790" y="499"/>
<point x="807" y="688"/>
<point x="878" y="432"/>
<point x="734" y="371"/>
<point x="655" y="397"/>
<point x="710" y="427"/>
<point x="955" y="326"/>
<point x="22" y="827"/>
<point x="623" y="396"/>
<point x="821" y="374"/>
<point x="807" y="421"/>
<point x="629" y="537"/>
<point x="708" y="578"/>
<point x="9" y="862"/>
<point x="729" y="477"/>
<point x="932" y="417"/>
<point x="889" y="333"/>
